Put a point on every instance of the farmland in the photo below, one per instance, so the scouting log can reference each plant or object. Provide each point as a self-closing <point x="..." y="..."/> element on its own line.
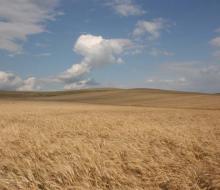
<point x="109" y="139"/>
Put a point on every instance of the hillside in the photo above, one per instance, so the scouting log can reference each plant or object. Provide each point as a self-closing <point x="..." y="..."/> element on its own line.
<point x="124" y="97"/>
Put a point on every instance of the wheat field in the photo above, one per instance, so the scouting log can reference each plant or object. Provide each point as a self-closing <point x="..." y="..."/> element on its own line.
<point x="76" y="146"/>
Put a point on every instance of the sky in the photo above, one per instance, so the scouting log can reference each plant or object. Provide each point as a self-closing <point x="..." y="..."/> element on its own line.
<point x="75" y="44"/>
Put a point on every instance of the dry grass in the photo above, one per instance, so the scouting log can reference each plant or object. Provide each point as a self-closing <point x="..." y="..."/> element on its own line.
<point x="49" y="145"/>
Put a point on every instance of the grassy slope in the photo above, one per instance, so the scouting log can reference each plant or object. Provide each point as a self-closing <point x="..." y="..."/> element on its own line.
<point x="133" y="97"/>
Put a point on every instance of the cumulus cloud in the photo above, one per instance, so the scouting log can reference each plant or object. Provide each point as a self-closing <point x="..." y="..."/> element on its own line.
<point x="96" y="52"/>
<point x="153" y="28"/>
<point x="29" y="84"/>
<point x="126" y="7"/>
<point x="191" y="75"/>
<point x="22" y="18"/>
<point x="10" y="81"/>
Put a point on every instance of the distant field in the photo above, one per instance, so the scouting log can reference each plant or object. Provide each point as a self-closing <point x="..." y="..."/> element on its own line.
<point x="95" y="139"/>
<point x="131" y="97"/>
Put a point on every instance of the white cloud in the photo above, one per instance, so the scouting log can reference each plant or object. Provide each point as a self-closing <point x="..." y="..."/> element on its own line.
<point x="152" y="28"/>
<point x="10" y="81"/>
<point x="74" y="74"/>
<point x="126" y="7"/>
<point x="215" y="42"/>
<point x="22" y="18"/>
<point x="192" y="76"/>
<point x="96" y="52"/>
<point x="29" y="84"/>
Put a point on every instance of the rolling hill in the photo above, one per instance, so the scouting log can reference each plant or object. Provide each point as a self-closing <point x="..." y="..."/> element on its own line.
<point x="123" y="97"/>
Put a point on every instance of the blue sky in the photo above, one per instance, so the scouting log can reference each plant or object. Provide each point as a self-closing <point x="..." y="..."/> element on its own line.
<point x="73" y="44"/>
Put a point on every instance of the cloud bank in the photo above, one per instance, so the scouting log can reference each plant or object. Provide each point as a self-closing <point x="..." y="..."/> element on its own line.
<point x="96" y="52"/>
<point x="189" y="76"/>
<point x="10" y="81"/>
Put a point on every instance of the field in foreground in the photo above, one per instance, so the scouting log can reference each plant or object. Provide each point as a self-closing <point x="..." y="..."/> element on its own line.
<point x="61" y="145"/>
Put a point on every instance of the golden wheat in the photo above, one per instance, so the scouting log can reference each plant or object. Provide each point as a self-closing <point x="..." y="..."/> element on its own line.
<point x="49" y="145"/>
